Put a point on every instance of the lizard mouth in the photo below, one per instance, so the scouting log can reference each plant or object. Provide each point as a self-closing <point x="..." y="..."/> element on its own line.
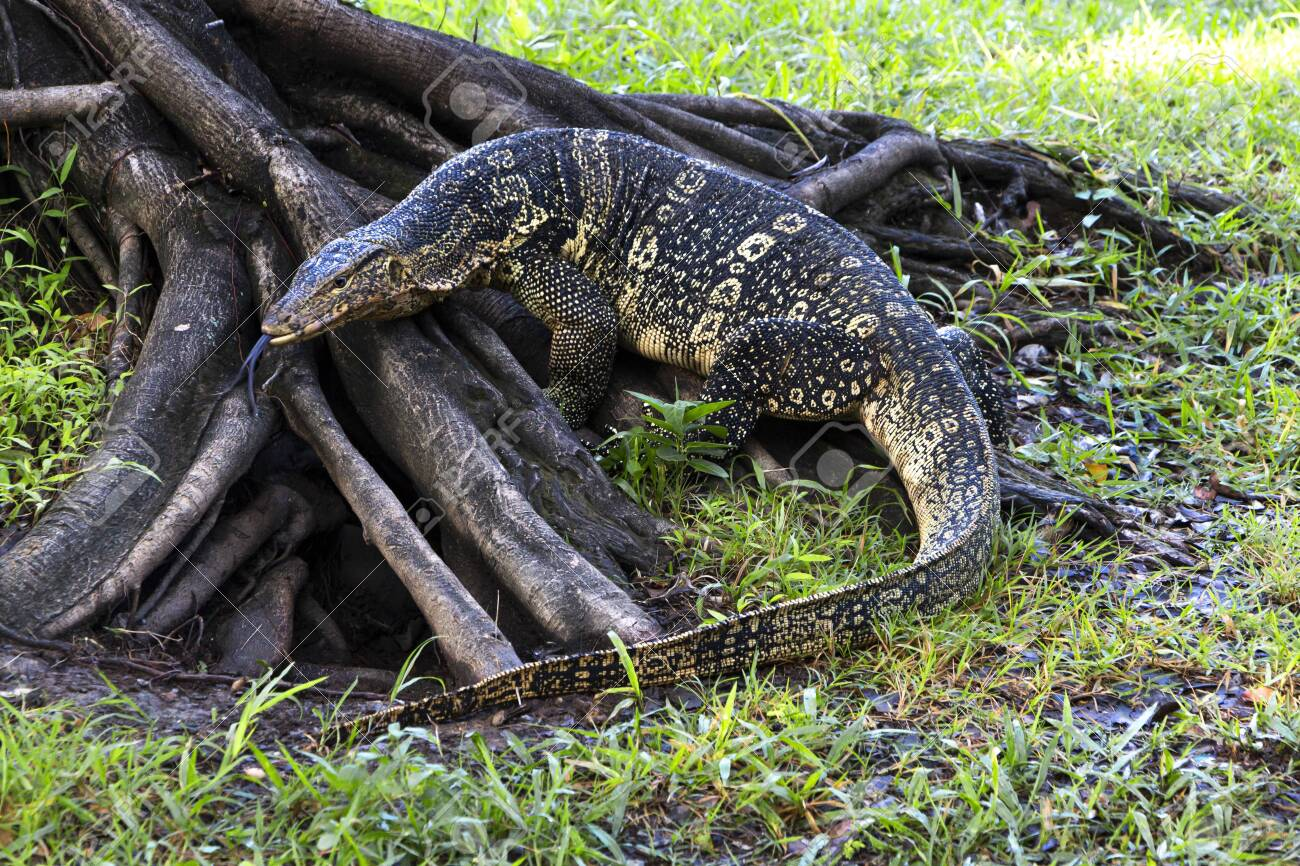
<point x="297" y="335"/>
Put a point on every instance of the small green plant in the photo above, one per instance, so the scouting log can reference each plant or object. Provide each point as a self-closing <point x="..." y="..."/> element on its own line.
<point x="404" y="680"/>
<point x="651" y="461"/>
<point x="51" y="389"/>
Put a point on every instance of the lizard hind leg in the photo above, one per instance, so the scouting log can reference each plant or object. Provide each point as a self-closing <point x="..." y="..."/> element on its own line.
<point x="786" y="367"/>
<point x="985" y="389"/>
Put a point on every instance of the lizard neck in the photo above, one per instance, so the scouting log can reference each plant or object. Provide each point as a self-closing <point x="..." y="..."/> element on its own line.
<point x="475" y="210"/>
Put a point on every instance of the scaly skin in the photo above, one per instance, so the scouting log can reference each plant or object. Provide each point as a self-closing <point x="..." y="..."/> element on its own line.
<point x="611" y="240"/>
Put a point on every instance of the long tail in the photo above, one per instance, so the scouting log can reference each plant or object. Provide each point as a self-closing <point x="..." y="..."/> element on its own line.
<point x="932" y="430"/>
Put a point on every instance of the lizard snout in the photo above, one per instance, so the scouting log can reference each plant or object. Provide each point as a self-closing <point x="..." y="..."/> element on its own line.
<point x="279" y="323"/>
<point x="293" y="318"/>
<point x="283" y="332"/>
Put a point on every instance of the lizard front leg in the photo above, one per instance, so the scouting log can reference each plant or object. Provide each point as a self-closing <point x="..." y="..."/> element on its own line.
<point x="584" y="332"/>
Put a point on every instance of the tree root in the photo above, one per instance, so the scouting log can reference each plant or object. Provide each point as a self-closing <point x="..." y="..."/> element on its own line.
<point x="256" y="635"/>
<point x="48" y="106"/>
<point x="279" y="516"/>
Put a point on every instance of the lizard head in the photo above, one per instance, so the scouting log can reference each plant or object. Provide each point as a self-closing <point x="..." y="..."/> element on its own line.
<point x="346" y="280"/>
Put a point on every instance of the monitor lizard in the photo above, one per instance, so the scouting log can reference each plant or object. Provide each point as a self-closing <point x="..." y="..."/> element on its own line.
<point x="611" y="240"/>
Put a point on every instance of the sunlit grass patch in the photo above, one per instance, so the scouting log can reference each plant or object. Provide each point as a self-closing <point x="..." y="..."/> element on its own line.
<point x="1139" y="81"/>
<point x="1267" y="546"/>
<point x="760" y="546"/>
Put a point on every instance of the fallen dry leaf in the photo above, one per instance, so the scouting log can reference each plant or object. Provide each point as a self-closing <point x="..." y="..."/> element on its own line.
<point x="86" y="323"/>
<point x="1259" y="694"/>
<point x="1031" y="215"/>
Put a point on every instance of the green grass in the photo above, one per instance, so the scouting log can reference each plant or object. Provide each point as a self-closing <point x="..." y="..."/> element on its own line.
<point x="1087" y="707"/>
<point x="973" y="736"/>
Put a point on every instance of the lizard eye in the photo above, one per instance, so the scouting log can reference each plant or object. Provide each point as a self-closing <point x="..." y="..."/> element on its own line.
<point x="340" y="282"/>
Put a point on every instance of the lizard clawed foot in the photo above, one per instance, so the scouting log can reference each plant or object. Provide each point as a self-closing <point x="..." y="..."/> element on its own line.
<point x="574" y="416"/>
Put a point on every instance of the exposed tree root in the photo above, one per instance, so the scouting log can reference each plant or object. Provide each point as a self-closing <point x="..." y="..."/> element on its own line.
<point x="49" y="106"/>
<point x="279" y="516"/>
<point x="256" y="634"/>
<point x="129" y="299"/>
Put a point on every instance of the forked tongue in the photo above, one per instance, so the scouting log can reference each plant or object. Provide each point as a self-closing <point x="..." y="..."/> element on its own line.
<point x="249" y="367"/>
